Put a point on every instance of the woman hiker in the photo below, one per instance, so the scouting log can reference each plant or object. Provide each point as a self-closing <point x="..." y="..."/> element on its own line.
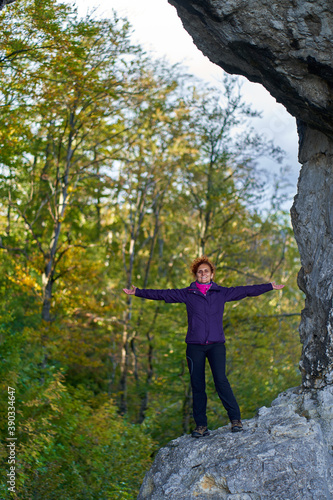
<point x="205" y="301"/>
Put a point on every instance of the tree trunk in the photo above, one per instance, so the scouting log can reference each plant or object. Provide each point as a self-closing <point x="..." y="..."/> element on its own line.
<point x="47" y="297"/>
<point x="124" y="363"/>
<point x="145" y="397"/>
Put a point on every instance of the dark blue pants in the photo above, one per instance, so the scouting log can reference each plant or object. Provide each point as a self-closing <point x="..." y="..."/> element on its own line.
<point x="196" y="357"/>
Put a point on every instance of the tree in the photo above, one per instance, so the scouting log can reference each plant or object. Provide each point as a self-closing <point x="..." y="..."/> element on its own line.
<point x="66" y="82"/>
<point x="224" y="184"/>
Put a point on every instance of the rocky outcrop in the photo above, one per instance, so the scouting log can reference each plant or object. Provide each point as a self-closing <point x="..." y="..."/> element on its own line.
<point x="284" y="453"/>
<point x="288" y="47"/>
<point x="312" y="217"/>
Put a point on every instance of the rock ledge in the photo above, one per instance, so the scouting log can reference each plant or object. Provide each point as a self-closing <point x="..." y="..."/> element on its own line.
<point x="285" y="452"/>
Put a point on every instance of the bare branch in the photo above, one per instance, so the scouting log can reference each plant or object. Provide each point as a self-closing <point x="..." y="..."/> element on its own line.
<point x="13" y="249"/>
<point x="35" y="237"/>
<point x="248" y="275"/>
<point x="61" y="254"/>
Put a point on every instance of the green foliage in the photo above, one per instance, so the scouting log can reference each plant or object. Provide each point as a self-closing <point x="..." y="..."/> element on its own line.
<point x="71" y="443"/>
<point x="119" y="170"/>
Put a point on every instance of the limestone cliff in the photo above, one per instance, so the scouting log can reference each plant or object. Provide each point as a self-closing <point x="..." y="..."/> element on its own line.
<point x="288" y="47"/>
<point x="284" y="453"/>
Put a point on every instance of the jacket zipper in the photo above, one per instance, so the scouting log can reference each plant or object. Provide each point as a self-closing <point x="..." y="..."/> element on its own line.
<point x="205" y="297"/>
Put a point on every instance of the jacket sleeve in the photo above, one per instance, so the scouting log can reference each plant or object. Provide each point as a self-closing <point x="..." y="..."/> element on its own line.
<point x="169" y="296"/>
<point x="240" y="292"/>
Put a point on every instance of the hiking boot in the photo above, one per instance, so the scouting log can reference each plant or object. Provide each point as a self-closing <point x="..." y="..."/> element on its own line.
<point x="236" y="426"/>
<point x="200" y="431"/>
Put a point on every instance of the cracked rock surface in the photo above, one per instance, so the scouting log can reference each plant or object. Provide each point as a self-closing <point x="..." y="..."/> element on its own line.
<point x="284" y="453"/>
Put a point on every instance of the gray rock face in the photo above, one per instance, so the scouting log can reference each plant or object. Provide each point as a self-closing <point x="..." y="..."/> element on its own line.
<point x="312" y="216"/>
<point x="288" y="47"/>
<point x="284" y="453"/>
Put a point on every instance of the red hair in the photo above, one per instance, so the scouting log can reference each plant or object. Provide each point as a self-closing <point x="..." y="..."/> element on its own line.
<point x="201" y="260"/>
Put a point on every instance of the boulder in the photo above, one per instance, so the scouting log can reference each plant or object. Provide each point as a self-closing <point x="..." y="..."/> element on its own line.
<point x="284" y="453"/>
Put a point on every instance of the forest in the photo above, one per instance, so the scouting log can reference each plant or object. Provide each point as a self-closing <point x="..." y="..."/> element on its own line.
<point x="117" y="169"/>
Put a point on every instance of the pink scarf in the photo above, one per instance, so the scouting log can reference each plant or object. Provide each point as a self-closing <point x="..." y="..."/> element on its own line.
<point x="203" y="288"/>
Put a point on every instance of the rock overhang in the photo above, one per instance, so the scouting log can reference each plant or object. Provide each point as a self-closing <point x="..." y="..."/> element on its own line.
<point x="286" y="46"/>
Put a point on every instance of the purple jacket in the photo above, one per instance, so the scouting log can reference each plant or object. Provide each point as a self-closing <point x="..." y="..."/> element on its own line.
<point x="204" y="313"/>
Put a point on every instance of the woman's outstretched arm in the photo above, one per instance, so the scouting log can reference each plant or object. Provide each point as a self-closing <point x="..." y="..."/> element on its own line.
<point x="240" y="292"/>
<point x="169" y="295"/>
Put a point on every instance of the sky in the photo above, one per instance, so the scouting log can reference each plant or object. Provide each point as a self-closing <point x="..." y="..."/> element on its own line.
<point x="159" y="30"/>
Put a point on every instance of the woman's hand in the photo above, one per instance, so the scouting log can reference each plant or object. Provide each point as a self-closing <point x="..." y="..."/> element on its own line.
<point x="275" y="286"/>
<point x="130" y="292"/>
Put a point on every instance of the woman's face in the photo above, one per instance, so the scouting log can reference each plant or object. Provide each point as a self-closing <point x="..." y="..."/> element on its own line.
<point x="204" y="274"/>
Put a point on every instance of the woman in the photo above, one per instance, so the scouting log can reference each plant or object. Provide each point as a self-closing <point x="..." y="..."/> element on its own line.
<point x="205" y="301"/>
